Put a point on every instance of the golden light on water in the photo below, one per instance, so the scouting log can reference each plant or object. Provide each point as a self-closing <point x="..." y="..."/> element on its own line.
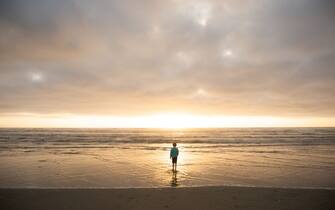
<point x="160" y="120"/>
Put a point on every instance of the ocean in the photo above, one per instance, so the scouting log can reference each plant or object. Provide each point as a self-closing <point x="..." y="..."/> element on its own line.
<point x="130" y="158"/>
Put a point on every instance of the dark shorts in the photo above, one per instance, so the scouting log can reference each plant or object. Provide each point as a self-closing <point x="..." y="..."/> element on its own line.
<point x="174" y="160"/>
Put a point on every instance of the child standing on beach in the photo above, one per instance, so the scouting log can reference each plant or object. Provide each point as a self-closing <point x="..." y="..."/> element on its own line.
<point x="174" y="152"/>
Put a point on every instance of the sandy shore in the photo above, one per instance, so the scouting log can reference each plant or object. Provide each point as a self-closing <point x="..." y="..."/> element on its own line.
<point x="168" y="198"/>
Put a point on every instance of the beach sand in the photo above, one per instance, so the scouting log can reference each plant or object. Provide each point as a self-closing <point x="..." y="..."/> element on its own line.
<point x="168" y="198"/>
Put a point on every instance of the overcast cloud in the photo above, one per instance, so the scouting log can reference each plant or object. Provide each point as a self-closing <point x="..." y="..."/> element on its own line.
<point x="254" y="57"/>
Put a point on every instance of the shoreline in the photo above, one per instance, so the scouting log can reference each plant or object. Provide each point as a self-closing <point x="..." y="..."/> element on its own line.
<point x="214" y="197"/>
<point x="168" y="187"/>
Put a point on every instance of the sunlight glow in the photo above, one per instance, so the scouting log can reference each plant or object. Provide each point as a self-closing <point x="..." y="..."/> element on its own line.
<point x="227" y="53"/>
<point x="160" y="120"/>
<point x="36" y="77"/>
<point x="200" y="12"/>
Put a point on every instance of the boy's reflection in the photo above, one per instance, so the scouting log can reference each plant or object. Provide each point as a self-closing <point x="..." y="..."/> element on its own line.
<point x="174" y="180"/>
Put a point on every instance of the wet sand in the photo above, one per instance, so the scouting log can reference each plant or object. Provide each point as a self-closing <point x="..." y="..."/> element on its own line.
<point x="139" y="158"/>
<point x="168" y="198"/>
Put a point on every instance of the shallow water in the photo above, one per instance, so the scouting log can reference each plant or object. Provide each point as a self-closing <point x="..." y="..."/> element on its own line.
<point x="282" y="157"/>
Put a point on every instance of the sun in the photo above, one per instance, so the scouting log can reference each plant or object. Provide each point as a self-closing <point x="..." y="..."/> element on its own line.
<point x="171" y="120"/>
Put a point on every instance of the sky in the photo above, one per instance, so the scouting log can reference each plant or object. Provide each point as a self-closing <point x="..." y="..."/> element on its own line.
<point x="67" y="59"/>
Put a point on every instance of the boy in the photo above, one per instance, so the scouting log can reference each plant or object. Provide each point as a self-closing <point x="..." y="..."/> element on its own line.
<point x="174" y="152"/>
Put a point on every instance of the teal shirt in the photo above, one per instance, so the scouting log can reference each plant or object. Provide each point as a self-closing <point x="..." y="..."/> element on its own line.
<point x="174" y="152"/>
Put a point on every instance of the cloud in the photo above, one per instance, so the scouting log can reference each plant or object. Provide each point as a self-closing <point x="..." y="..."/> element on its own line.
<point x="256" y="57"/>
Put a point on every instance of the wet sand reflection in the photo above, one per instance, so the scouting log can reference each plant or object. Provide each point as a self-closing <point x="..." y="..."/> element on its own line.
<point x="174" y="180"/>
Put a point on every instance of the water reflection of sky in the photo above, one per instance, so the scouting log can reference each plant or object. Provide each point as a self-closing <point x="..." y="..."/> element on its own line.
<point x="143" y="167"/>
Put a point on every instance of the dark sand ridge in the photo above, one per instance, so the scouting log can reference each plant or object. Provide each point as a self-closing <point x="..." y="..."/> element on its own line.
<point x="168" y="198"/>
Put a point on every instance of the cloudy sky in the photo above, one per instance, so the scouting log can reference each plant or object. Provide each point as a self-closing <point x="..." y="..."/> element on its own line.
<point x="130" y="58"/>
